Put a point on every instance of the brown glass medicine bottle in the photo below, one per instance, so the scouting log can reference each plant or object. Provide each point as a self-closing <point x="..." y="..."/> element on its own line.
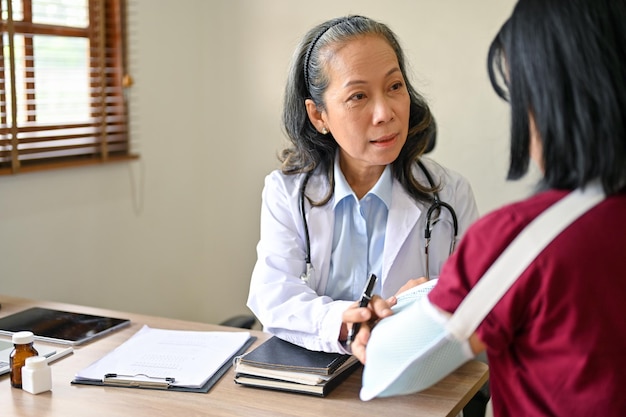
<point x="23" y="342"/>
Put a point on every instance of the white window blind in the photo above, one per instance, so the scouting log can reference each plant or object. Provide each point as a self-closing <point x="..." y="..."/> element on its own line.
<point x="62" y="81"/>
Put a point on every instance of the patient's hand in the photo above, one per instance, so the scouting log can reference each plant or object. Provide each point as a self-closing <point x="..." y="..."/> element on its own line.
<point x="412" y="283"/>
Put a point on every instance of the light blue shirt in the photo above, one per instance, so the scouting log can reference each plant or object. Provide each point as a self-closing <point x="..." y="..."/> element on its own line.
<point x="359" y="236"/>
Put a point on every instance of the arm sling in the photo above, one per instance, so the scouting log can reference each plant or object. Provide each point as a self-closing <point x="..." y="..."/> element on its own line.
<point x="413" y="349"/>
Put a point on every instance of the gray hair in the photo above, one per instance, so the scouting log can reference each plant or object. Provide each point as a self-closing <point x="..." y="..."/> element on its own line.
<point x="308" y="79"/>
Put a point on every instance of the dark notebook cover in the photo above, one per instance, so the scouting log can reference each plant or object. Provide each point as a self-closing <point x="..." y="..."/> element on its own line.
<point x="276" y="353"/>
<point x="320" y="390"/>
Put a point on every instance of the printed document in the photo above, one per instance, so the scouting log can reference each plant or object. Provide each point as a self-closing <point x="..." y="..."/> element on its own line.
<point x="178" y="357"/>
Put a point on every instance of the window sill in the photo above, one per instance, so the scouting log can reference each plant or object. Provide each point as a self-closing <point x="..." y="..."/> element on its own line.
<point x="67" y="164"/>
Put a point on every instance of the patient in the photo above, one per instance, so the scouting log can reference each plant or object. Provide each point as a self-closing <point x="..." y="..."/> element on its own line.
<point x="555" y="341"/>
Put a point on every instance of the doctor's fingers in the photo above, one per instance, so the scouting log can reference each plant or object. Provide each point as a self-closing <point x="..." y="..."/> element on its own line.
<point x="392" y="301"/>
<point x="376" y="309"/>
<point x="381" y="307"/>
<point x="356" y="314"/>
<point x="359" y="344"/>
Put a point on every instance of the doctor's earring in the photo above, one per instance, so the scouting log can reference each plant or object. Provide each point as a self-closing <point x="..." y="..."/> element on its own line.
<point x="324" y="131"/>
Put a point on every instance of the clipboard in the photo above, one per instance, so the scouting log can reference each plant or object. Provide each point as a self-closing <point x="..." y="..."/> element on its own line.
<point x="144" y="381"/>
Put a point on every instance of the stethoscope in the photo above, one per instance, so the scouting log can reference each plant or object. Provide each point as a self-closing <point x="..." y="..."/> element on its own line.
<point x="435" y="207"/>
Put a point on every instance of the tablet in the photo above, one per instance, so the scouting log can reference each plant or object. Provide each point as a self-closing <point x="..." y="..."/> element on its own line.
<point x="60" y="326"/>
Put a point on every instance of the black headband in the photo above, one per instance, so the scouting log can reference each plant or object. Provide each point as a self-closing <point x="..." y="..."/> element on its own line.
<point x="307" y="57"/>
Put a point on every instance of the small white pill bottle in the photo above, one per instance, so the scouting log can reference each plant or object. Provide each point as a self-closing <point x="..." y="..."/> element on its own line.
<point x="36" y="375"/>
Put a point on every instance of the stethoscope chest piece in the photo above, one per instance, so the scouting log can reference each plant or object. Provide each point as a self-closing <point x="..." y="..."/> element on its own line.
<point x="307" y="274"/>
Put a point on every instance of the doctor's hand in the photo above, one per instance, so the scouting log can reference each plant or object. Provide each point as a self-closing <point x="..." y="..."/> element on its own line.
<point x="356" y="314"/>
<point x="376" y="310"/>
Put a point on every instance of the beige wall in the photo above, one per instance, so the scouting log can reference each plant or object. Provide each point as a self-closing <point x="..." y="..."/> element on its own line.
<point x="175" y="233"/>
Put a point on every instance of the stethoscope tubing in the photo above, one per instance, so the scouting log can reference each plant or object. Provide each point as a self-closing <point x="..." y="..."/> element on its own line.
<point x="437" y="205"/>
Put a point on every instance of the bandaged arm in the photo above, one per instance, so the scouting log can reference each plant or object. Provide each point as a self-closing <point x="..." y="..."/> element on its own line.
<point x="411" y="351"/>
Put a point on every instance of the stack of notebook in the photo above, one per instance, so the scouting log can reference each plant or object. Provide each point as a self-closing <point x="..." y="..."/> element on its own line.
<point x="280" y="365"/>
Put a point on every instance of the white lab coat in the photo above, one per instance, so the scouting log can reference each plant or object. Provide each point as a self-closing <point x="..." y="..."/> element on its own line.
<point x="296" y="310"/>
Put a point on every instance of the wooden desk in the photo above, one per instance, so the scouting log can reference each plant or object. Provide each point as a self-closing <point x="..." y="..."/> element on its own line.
<point x="225" y="399"/>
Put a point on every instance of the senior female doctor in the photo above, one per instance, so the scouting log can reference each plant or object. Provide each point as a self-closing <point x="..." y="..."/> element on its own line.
<point x="354" y="196"/>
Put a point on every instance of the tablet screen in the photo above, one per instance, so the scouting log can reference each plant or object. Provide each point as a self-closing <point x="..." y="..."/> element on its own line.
<point x="60" y="326"/>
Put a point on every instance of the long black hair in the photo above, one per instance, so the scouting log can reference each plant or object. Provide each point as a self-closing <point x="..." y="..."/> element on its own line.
<point x="309" y="149"/>
<point x="564" y="62"/>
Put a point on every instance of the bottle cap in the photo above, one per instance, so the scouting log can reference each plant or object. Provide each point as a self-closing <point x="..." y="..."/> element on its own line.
<point x="35" y="362"/>
<point x="21" y="338"/>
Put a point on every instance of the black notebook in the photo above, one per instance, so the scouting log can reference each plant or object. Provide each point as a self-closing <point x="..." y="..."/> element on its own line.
<point x="276" y="353"/>
<point x="280" y="365"/>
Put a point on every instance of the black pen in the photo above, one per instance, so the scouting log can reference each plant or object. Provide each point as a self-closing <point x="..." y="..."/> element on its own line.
<point x="363" y="302"/>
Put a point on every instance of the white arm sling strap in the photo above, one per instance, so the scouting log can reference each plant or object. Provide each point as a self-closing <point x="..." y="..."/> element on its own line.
<point x="414" y="348"/>
<point x="517" y="256"/>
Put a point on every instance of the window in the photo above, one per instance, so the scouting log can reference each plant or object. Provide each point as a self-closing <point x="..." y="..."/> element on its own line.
<point x="62" y="84"/>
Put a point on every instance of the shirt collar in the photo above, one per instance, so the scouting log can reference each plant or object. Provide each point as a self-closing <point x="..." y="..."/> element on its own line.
<point x="382" y="188"/>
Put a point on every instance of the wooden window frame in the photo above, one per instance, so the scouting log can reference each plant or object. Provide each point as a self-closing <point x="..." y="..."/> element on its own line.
<point x="31" y="146"/>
